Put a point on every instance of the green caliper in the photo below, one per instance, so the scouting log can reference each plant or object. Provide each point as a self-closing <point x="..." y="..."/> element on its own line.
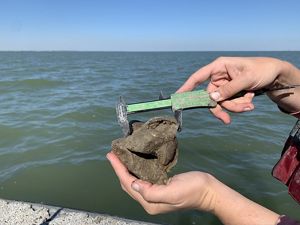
<point x="181" y="101"/>
<point x="177" y="102"/>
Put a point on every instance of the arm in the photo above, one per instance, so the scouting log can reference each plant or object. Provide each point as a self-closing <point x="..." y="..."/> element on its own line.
<point x="231" y="75"/>
<point x="197" y="190"/>
<point x="235" y="209"/>
<point x="193" y="190"/>
<point x="288" y="100"/>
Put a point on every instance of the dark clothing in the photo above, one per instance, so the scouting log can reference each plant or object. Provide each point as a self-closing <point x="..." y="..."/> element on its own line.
<point x="284" y="220"/>
<point x="287" y="169"/>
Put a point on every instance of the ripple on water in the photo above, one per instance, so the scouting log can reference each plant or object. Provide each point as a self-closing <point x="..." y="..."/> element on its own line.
<point x="58" y="108"/>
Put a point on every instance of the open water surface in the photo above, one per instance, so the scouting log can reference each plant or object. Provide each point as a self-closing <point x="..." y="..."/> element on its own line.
<point x="57" y="121"/>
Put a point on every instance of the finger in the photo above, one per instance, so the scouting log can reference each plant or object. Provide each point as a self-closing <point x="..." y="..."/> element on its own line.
<point x="242" y="104"/>
<point x="124" y="176"/>
<point x="230" y="89"/>
<point x="220" y="114"/>
<point x="126" y="181"/>
<point x="145" y="199"/>
<point x="154" y="193"/>
<point x="237" y="107"/>
<point x="247" y="98"/>
<point x="128" y="192"/>
<point x="197" y="78"/>
<point x="211" y="87"/>
<point x="121" y="171"/>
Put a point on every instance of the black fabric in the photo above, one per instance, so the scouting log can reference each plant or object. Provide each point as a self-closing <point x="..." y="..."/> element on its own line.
<point x="284" y="220"/>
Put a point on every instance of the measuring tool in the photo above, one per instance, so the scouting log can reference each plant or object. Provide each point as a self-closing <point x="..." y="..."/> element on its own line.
<point x="177" y="102"/>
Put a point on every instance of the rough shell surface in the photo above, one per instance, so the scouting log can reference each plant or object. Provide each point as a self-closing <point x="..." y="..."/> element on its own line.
<point x="151" y="150"/>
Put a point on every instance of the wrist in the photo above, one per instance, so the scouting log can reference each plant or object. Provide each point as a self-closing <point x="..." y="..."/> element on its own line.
<point x="232" y="208"/>
<point x="286" y="99"/>
<point x="207" y="200"/>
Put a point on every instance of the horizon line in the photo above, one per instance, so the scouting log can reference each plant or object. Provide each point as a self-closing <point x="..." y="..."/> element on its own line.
<point x="149" y="51"/>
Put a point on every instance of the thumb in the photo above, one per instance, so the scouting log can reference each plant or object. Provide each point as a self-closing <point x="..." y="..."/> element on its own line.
<point x="151" y="192"/>
<point x="228" y="90"/>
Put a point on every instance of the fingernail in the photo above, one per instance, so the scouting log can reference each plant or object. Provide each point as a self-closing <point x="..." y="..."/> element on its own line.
<point x="247" y="109"/>
<point x="135" y="186"/>
<point x="107" y="156"/>
<point x="215" y="95"/>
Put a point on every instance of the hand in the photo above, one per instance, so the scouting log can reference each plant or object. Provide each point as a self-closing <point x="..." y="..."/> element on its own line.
<point x="230" y="75"/>
<point x="190" y="190"/>
<point x="193" y="190"/>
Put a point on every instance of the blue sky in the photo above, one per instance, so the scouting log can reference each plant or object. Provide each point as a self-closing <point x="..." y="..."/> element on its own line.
<point x="149" y="25"/>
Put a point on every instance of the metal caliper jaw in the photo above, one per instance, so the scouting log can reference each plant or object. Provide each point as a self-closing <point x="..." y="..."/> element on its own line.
<point x="121" y="109"/>
<point x="177" y="113"/>
<point x="178" y="117"/>
<point x="122" y="115"/>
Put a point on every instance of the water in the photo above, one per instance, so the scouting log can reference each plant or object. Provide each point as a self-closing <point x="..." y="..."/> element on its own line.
<point x="57" y="120"/>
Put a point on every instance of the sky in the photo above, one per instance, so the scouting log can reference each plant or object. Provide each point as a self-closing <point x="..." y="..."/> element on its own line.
<point x="150" y="25"/>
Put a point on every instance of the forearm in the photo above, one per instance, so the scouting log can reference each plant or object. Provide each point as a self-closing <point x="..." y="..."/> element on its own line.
<point x="288" y="99"/>
<point x="234" y="209"/>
